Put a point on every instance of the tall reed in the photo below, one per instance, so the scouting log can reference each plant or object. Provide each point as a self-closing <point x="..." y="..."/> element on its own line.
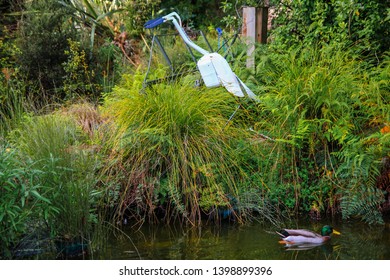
<point x="59" y="148"/>
<point x="12" y="104"/>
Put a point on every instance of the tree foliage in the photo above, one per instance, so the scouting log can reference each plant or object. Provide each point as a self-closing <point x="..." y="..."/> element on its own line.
<point x="42" y="39"/>
<point x="359" y="24"/>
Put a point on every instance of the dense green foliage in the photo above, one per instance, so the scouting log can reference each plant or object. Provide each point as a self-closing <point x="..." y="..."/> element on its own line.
<point x="20" y="199"/>
<point x="58" y="147"/>
<point x="316" y="144"/>
<point x="210" y="11"/>
<point x="362" y="25"/>
<point x="49" y="178"/>
<point x="322" y="109"/>
<point x="43" y="37"/>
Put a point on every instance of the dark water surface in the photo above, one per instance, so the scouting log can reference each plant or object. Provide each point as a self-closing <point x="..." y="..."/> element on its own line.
<point x="256" y="241"/>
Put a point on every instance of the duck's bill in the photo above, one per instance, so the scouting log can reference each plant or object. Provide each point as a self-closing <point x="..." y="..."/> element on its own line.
<point x="336" y="232"/>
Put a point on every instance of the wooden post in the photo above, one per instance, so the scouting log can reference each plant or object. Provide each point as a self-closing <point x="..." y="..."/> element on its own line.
<point x="261" y="25"/>
<point x="249" y="33"/>
<point x="254" y="30"/>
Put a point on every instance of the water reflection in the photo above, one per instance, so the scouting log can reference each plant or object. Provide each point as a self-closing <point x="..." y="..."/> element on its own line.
<point x="256" y="241"/>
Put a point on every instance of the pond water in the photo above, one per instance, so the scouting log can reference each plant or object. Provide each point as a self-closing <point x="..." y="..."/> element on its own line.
<point x="249" y="242"/>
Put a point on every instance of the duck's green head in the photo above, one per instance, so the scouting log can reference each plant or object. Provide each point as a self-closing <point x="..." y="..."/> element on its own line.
<point x="328" y="230"/>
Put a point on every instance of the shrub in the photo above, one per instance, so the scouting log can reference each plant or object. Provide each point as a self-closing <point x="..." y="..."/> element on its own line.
<point x="23" y="200"/>
<point x="42" y="39"/>
<point x="360" y="24"/>
<point x="60" y="149"/>
<point x="79" y="80"/>
<point x="12" y="87"/>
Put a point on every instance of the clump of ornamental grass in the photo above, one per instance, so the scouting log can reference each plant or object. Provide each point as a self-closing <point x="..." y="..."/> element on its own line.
<point x="175" y="152"/>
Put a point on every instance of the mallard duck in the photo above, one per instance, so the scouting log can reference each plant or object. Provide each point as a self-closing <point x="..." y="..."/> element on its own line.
<point x="303" y="236"/>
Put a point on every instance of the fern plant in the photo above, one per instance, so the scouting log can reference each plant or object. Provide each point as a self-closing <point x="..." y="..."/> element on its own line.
<point x="357" y="176"/>
<point x="319" y="104"/>
<point x="363" y="153"/>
